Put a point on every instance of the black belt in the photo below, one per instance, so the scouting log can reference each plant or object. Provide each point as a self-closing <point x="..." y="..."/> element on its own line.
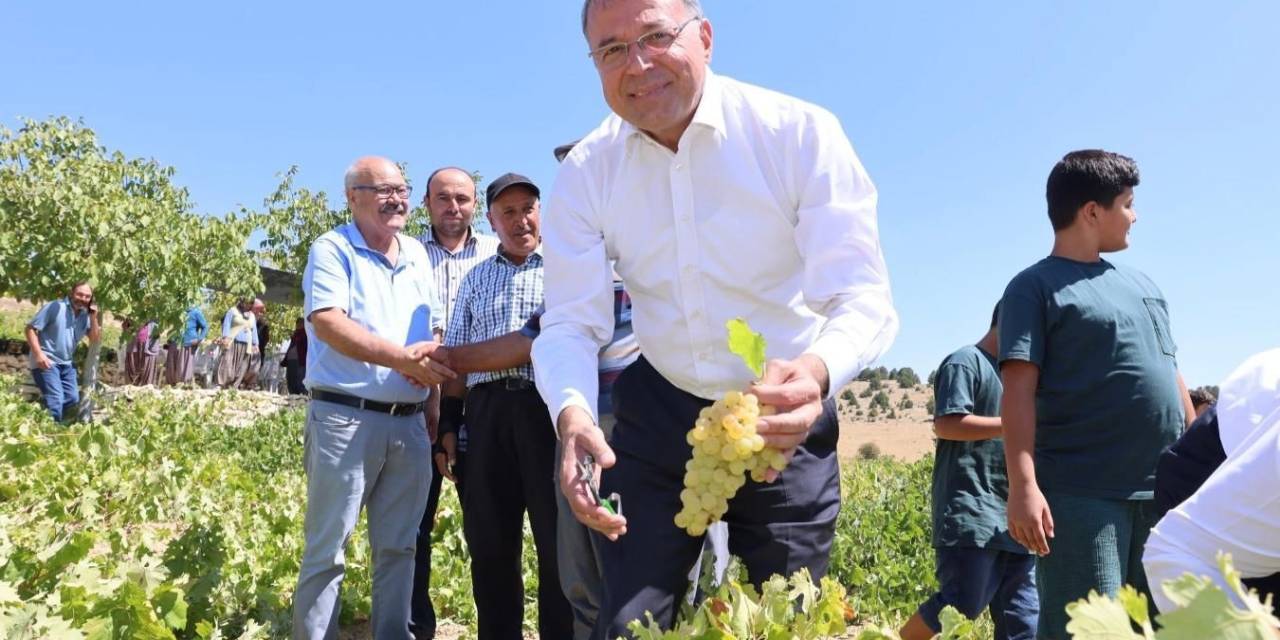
<point x="393" y="408"/>
<point x="508" y="384"/>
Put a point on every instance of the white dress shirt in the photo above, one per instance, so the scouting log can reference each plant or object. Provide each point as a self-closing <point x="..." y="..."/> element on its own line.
<point x="1237" y="509"/>
<point x="764" y="212"/>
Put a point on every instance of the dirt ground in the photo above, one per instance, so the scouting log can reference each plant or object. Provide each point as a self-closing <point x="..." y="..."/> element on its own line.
<point x="907" y="437"/>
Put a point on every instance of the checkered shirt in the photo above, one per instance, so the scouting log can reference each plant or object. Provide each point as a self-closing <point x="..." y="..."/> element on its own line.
<point x="450" y="268"/>
<point x="496" y="297"/>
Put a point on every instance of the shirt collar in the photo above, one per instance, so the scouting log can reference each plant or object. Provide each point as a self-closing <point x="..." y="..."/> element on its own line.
<point x="358" y="242"/>
<point x="470" y="241"/>
<point x="535" y="258"/>
<point x="709" y="114"/>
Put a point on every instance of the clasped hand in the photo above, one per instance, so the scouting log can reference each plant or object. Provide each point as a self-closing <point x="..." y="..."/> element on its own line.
<point x="426" y="364"/>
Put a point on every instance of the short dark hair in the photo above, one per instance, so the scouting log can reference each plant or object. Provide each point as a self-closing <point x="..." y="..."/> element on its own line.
<point x="995" y="316"/>
<point x="1201" y="396"/>
<point x="692" y="6"/>
<point x="1088" y="175"/>
<point x="426" y="192"/>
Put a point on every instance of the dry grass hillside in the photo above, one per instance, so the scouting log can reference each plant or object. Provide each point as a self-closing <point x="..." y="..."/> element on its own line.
<point x="906" y="434"/>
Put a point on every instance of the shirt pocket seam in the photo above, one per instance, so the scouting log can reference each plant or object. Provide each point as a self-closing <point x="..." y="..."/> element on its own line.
<point x="1158" y="310"/>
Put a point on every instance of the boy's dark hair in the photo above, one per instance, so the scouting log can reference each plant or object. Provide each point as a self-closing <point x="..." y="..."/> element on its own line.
<point x="1088" y="175"/>
<point x="1201" y="396"/>
<point x="995" y="316"/>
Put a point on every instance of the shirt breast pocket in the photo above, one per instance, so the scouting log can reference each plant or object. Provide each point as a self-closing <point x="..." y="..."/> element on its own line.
<point x="1159" y="313"/>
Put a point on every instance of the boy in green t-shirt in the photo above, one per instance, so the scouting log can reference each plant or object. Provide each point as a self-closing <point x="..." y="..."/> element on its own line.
<point x="977" y="564"/>
<point x="1092" y="392"/>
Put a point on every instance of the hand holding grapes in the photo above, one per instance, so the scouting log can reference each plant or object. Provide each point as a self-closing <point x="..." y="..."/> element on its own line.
<point x="794" y="388"/>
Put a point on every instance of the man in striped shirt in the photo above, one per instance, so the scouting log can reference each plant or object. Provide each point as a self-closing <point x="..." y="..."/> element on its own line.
<point x="512" y="442"/>
<point x="454" y="248"/>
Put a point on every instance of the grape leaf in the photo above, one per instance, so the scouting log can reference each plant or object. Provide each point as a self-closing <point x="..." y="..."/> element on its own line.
<point x="1099" y="618"/>
<point x="747" y="344"/>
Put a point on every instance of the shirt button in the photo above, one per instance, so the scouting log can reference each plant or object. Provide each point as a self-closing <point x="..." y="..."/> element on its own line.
<point x="704" y="356"/>
<point x="679" y="166"/>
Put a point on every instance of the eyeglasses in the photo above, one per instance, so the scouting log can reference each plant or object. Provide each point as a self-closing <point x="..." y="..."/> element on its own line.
<point x="384" y="191"/>
<point x="612" y="56"/>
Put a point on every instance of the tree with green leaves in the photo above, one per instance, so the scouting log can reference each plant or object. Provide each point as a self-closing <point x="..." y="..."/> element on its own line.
<point x="71" y="210"/>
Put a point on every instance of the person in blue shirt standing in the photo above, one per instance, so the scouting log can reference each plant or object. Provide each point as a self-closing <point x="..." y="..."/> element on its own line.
<point x="372" y="316"/>
<point x="179" y="363"/>
<point x="977" y="564"/>
<point x="52" y="336"/>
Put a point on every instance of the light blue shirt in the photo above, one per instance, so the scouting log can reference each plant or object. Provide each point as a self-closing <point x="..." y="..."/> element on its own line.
<point x="60" y="329"/>
<point x="197" y="327"/>
<point x="396" y="302"/>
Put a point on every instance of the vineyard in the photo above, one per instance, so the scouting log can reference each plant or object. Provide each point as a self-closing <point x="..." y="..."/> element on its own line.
<point x="178" y="514"/>
<point x="170" y="516"/>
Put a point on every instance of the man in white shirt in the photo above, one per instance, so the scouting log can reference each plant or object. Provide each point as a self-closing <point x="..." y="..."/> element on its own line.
<point x="1237" y="508"/>
<point x="716" y="199"/>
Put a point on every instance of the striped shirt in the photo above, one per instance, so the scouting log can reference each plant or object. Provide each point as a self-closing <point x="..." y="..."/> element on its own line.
<point x="621" y="351"/>
<point x="496" y="297"/>
<point x="450" y="268"/>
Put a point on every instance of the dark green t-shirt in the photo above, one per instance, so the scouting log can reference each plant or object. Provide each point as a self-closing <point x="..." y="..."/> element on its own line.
<point x="1108" y="398"/>
<point x="970" y="484"/>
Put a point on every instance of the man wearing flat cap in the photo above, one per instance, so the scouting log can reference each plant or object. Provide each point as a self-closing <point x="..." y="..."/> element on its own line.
<point x="511" y="441"/>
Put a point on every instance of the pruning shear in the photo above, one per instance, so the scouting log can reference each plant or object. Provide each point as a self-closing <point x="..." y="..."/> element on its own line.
<point x="587" y="476"/>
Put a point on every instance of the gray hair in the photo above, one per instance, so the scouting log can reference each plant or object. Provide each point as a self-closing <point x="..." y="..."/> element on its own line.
<point x="349" y="178"/>
<point x="692" y="6"/>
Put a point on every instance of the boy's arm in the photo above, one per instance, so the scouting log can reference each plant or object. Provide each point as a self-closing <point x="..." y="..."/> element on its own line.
<point x="967" y="427"/>
<point x="1188" y="407"/>
<point x="1030" y="522"/>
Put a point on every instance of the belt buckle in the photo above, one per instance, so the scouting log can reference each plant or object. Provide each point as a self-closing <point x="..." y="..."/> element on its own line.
<point x="395" y="407"/>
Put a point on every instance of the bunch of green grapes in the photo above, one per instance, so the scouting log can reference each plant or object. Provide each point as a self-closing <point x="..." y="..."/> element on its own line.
<point x="725" y="448"/>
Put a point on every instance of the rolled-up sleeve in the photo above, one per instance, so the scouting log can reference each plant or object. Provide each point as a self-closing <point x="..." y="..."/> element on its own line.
<point x="837" y="234"/>
<point x="578" y="284"/>
<point x="326" y="282"/>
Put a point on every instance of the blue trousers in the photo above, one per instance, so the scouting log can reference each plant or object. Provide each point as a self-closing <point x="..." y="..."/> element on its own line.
<point x="59" y="389"/>
<point x="775" y="528"/>
<point x="972" y="579"/>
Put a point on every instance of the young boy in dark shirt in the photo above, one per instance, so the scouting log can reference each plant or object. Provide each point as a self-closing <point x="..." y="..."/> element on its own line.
<point x="1092" y="392"/>
<point x="977" y="564"/>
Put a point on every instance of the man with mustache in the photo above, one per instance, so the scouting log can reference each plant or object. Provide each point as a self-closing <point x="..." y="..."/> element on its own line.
<point x="454" y="248"/>
<point x="52" y="336"/>
<point x="716" y="199"/>
<point x="511" y="450"/>
<point x="372" y="316"/>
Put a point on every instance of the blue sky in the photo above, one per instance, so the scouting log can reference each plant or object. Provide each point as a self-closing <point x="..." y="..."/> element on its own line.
<point x="958" y="111"/>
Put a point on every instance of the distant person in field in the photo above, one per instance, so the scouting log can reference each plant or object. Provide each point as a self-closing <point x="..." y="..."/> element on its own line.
<point x="454" y="246"/>
<point x="179" y="366"/>
<point x="295" y="359"/>
<point x="511" y="450"/>
<point x="1219" y="483"/>
<point x="372" y="315"/>
<point x="1202" y="400"/>
<point x="978" y="565"/>
<point x="52" y="336"/>
<point x="1092" y="392"/>
<point x="239" y="343"/>
<point x="262" y="332"/>
<point x="142" y="356"/>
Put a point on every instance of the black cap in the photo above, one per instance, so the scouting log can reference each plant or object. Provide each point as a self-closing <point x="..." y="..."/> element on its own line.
<point x="505" y="181"/>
